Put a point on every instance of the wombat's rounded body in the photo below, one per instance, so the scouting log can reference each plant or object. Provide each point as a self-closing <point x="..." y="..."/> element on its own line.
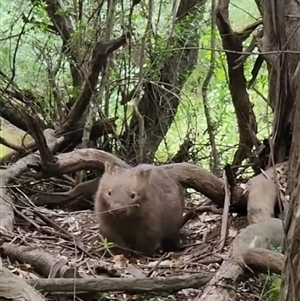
<point x="140" y="208"/>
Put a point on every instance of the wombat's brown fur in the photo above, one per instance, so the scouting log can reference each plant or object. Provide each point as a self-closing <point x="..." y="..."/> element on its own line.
<point x="140" y="208"/>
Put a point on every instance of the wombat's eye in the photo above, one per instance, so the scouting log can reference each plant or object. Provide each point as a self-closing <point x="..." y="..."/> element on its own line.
<point x="132" y="195"/>
<point x="109" y="192"/>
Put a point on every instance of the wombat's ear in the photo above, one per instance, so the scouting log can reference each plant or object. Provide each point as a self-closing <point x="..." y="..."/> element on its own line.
<point x="145" y="174"/>
<point x="108" y="167"/>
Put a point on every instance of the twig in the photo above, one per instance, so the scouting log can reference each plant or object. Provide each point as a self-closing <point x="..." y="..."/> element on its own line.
<point x="157" y="264"/>
<point x="224" y="228"/>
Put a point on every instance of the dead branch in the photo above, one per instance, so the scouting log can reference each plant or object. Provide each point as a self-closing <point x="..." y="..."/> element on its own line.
<point x="12" y="115"/>
<point x="64" y="25"/>
<point x="183" y="152"/>
<point x="6" y="210"/>
<point x="100" y="53"/>
<point x="209" y="208"/>
<point x="83" y="190"/>
<point x="255" y="70"/>
<point x="11" y="112"/>
<point x="257" y="237"/>
<point x="230" y="176"/>
<point x="189" y="175"/>
<point x="83" y="159"/>
<point x="24" y="96"/>
<point x="130" y="285"/>
<point x="39" y="138"/>
<point x="248" y="30"/>
<point x="41" y="261"/>
<point x="101" y="127"/>
<point x="15" y="288"/>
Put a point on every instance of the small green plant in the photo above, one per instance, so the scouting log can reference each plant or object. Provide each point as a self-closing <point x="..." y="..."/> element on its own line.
<point x="271" y="289"/>
<point x="106" y="244"/>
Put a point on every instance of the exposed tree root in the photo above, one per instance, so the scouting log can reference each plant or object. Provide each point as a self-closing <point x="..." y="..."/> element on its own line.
<point x="189" y="175"/>
<point x="264" y="260"/>
<point x="43" y="262"/>
<point x="14" y="288"/>
<point x="263" y="194"/>
<point x="6" y="210"/>
<point x="249" y="245"/>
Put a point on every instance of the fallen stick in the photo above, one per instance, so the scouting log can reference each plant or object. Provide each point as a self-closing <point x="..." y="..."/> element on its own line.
<point x="132" y="285"/>
<point x="40" y="260"/>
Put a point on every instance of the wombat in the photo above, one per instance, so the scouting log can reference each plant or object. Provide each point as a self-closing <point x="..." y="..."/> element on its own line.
<point x="140" y="208"/>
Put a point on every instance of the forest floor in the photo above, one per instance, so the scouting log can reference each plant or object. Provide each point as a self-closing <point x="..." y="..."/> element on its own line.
<point x="200" y="254"/>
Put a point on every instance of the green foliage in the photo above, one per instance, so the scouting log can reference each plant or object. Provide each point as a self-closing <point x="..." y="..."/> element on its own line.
<point x="272" y="283"/>
<point x="31" y="55"/>
<point x="190" y="113"/>
<point x="106" y="245"/>
<point x="271" y="289"/>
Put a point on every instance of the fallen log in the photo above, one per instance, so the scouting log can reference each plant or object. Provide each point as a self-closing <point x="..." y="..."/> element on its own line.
<point x="130" y="285"/>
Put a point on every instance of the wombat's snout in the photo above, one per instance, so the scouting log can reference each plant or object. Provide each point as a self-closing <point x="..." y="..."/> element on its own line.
<point x="117" y="209"/>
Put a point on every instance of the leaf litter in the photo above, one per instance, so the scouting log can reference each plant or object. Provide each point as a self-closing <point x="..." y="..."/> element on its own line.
<point x="73" y="238"/>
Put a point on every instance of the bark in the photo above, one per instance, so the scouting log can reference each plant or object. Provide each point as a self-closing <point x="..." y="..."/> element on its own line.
<point x="187" y="174"/>
<point x="263" y="197"/>
<point x="64" y="25"/>
<point x="281" y="32"/>
<point x="11" y="114"/>
<point x="291" y="272"/>
<point x="43" y="262"/>
<point x="249" y="249"/>
<point x="14" y="288"/>
<point x="130" y="285"/>
<point x="160" y="101"/>
<point x="6" y="208"/>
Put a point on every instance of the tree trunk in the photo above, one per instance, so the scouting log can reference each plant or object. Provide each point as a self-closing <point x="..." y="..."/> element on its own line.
<point x="291" y="272"/>
<point x="281" y="33"/>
